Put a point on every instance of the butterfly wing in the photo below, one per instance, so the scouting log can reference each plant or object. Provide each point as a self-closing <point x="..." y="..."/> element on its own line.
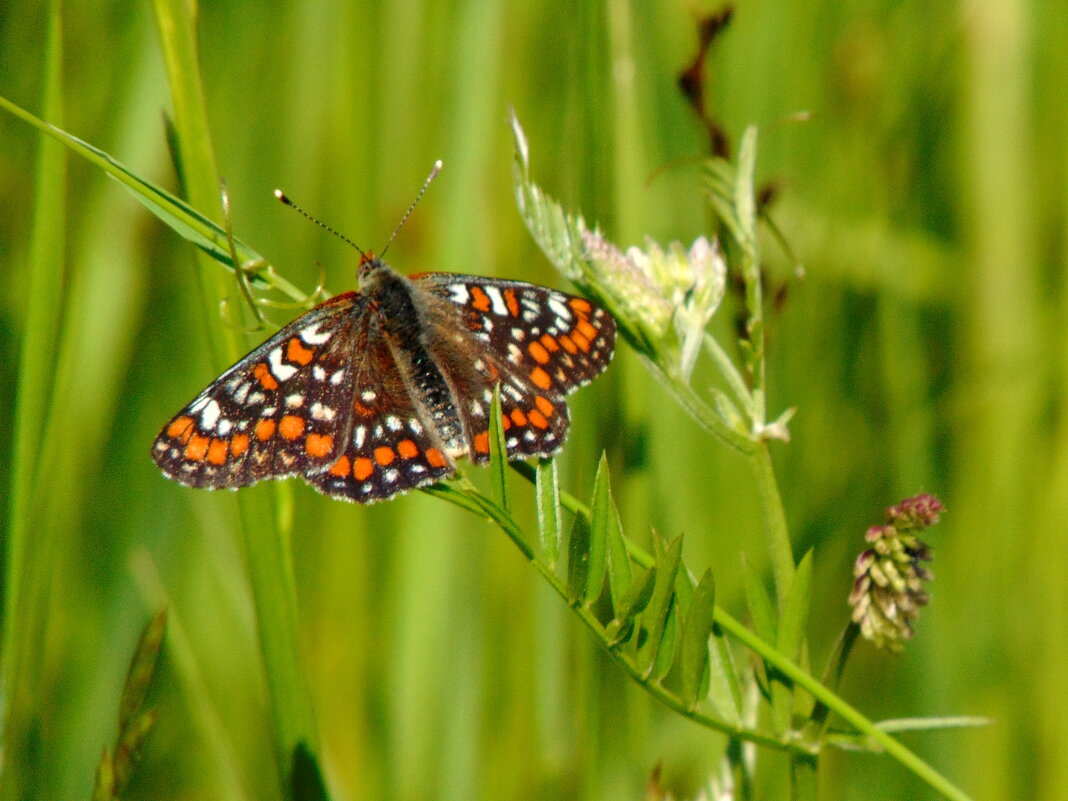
<point x="538" y="343"/>
<point x="265" y="417"/>
<point x="386" y="445"/>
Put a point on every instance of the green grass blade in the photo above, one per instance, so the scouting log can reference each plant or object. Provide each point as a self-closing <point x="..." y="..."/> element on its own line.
<point x="33" y="397"/>
<point x="180" y="216"/>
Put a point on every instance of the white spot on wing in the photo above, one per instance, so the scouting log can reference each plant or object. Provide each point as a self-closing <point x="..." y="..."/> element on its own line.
<point x="294" y="401"/>
<point x="320" y="412"/>
<point x="497" y="300"/>
<point x="559" y="308"/>
<point x="393" y="423"/>
<point x="459" y="293"/>
<point x="224" y="427"/>
<point x="283" y="372"/>
<point x="359" y="436"/>
<point x="210" y="414"/>
<point x="368" y="395"/>
<point x="319" y="373"/>
<point x="312" y="336"/>
<point x="256" y="398"/>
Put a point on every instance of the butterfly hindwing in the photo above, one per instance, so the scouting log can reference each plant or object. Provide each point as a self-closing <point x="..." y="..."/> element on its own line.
<point x="387" y="446"/>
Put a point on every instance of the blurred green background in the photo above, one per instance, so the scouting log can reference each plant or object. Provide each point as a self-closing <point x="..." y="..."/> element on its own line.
<point x="924" y="349"/>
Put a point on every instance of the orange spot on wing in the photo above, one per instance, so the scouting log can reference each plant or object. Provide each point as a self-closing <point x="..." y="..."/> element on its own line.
<point x="580" y="305"/>
<point x="586" y="329"/>
<point x="196" y="448"/>
<point x="217" y="451"/>
<point x="537" y="419"/>
<point x="407" y="449"/>
<point x="481" y="442"/>
<point x="545" y="405"/>
<point x="265" y="430"/>
<point x="181" y="428"/>
<point x="435" y="458"/>
<point x="550" y="343"/>
<point x="384" y="455"/>
<point x="319" y="445"/>
<point x="361" y="410"/>
<point x="581" y="341"/>
<point x="263" y="375"/>
<point x="239" y="444"/>
<point x="341" y="467"/>
<point x="291" y="426"/>
<point x="362" y="468"/>
<point x="537" y="350"/>
<point x="540" y="378"/>
<point x="479" y="299"/>
<point x="297" y="353"/>
<point x="568" y="344"/>
<point x="518" y="417"/>
<point x="513" y="304"/>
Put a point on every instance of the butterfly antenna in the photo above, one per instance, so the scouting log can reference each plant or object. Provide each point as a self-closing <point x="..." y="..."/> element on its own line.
<point x="278" y="193"/>
<point x="433" y="174"/>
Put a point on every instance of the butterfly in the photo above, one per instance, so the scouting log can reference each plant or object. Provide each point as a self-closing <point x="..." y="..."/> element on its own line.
<point x="379" y="391"/>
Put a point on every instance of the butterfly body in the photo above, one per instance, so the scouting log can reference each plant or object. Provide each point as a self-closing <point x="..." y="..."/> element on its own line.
<point x="379" y="391"/>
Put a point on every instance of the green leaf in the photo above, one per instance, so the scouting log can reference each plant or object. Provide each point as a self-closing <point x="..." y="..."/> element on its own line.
<point x="498" y="453"/>
<point x="550" y="525"/>
<point x="744" y="196"/>
<point x="788" y="643"/>
<point x="631" y="604"/>
<point x="695" y="634"/>
<point x="724" y="690"/>
<point x="760" y="609"/>
<point x="655" y="617"/>
<point x="578" y="560"/>
<point x="605" y="525"/>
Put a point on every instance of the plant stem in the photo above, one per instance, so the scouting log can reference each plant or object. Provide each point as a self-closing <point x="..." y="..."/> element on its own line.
<point x="779" y="547"/>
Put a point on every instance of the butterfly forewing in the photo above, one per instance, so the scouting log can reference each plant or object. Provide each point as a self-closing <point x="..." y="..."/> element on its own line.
<point x="274" y="413"/>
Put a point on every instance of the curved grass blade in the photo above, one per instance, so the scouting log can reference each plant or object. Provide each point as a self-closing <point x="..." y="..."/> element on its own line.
<point x="186" y="221"/>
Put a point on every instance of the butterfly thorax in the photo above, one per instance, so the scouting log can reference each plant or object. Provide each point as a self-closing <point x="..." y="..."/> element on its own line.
<point x="401" y="312"/>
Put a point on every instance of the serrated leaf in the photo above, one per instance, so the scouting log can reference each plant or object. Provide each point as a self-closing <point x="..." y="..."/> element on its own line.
<point x="655" y="617"/>
<point x="186" y="221"/>
<point x="604" y="521"/>
<point x="695" y="634"/>
<point x="498" y="453"/>
<point x="724" y="691"/>
<point x="550" y="525"/>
